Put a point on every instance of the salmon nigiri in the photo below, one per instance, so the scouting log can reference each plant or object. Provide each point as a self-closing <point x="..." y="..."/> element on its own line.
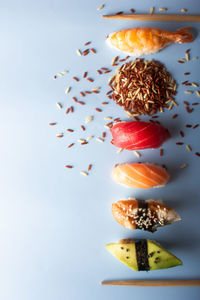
<point x="140" y="175"/>
<point x="135" y="135"/>
<point x="146" y="215"/>
<point x="145" y="40"/>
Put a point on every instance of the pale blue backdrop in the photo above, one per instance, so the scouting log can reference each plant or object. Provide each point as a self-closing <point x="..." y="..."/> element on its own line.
<point x="54" y="222"/>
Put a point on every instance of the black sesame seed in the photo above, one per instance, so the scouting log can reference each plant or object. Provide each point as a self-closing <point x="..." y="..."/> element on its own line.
<point x="151" y="254"/>
<point x="122" y="248"/>
<point x="127" y="257"/>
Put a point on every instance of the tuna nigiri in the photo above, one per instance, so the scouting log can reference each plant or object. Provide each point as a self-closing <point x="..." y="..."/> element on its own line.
<point x="146" y="215"/>
<point x="140" y="175"/>
<point x="145" y="40"/>
<point x="137" y="135"/>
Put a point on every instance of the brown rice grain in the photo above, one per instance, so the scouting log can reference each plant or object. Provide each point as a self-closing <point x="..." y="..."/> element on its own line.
<point x="72" y="144"/>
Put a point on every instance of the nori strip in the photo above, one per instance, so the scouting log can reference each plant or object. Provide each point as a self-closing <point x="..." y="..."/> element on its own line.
<point x="143" y="215"/>
<point x="142" y="255"/>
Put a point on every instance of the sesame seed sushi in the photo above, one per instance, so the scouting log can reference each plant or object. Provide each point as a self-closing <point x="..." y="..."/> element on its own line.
<point x="146" y="215"/>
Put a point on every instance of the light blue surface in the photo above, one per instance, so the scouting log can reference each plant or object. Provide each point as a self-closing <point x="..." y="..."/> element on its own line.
<point x="54" y="222"/>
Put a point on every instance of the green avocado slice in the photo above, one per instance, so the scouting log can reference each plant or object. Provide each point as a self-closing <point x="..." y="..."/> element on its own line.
<point x="158" y="257"/>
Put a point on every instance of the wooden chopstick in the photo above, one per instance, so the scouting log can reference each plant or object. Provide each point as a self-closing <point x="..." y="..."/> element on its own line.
<point x="193" y="282"/>
<point x="156" y="17"/>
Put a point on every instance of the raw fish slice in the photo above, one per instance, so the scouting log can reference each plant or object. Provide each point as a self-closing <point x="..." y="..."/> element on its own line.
<point x="140" y="175"/>
<point x="135" y="135"/>
<point x="146" y="215"/>
<point x="145" y="40"/>
<point x="143" y="255"/>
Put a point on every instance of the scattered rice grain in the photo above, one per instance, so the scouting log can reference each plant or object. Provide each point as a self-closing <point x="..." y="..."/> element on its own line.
<point x="78" y="52"/>
<point x="119" y="150"/>
<point x="76" y="78"/>
<point x="59" y="105"/>
<point x="162" y="9"/>
<point x="72" y="144"/>
<point x="137" y="153"/>
<point x="183" y="10"/>
<point x="83" y="173"/>
<point x="88" y="119"/>
<point x="152" y="9"/>
<point x="89" y="167"/>
<point x="183" y="166"/>
<point x="188" y="148"/>
<point x="195" y="126"/>
<point x="99" y="139"/>
<point x="101" y="6"/>
<point x="67" y="90"/>
<point x="188" y="92"/>
<point x="89" y="138"/>
<point x="198" y="93"/>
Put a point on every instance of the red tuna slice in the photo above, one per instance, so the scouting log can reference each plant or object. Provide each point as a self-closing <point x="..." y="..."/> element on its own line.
<point x="138" y="135"/>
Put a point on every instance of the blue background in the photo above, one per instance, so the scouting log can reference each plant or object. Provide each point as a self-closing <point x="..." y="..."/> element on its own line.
<point x="54" y="222"/>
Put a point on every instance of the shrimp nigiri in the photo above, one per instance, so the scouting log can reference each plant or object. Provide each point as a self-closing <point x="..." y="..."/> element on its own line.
<point x="135" y="135"/>
<point x="145" y="40"/>
<point x="140" y="175"/>
<point x="146" y="215"/>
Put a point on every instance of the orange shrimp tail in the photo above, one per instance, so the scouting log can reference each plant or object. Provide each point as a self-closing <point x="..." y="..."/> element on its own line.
<point x="184" y="35"/>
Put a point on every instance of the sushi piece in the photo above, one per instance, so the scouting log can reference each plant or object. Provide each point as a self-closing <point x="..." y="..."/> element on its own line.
<point x="140" y="175"/>
<point x="143" y="255"/>
<point x="146" y="40"/>
<point x="138" y="135"/>
<point x="146" y="215"/>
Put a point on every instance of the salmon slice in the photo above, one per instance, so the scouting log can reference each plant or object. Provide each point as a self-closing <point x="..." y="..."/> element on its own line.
<point x="146" y="215"/>
<point x="144" y="175"/>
